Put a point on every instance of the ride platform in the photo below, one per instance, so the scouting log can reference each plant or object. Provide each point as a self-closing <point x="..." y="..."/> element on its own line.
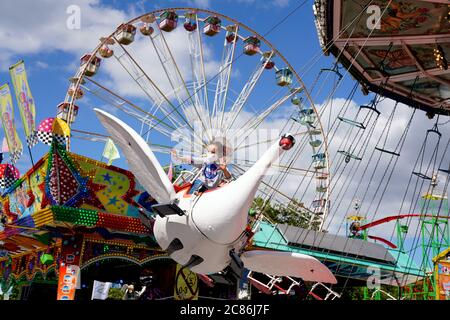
<point x="348" y="259"/>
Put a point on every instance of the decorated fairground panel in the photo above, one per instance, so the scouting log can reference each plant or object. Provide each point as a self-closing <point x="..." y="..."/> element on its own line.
<point x="442" y="275"/>
<point x="78" y="190"/>
<point x="65" y="193"/>
<point x="398" y="48"/>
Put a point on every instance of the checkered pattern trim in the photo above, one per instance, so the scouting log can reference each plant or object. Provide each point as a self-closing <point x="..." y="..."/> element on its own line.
<point x="5" y="183"/>
<point x="15" y="156"/>
<point x="32" y="139"/>
<point x="47" y="138"/>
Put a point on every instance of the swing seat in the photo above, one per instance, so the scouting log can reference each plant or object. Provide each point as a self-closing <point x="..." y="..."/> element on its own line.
<point x="353" y="123"/>
<point x="387" y="151"/>
<point x="348" y="154"/>
<point x="421" y="175"/>
<point x="370" y="108"/>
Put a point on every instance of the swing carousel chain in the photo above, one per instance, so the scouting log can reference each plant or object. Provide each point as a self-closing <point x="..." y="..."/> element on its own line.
<point x="364" y="147"/>
<point x="365" y="170"/>
<point x="389" y="3"/>
<point x="346" y="139"/>
<point x="339" y="203"/>
<point x="426" y="203"/>
<point x="336" y="86"/>
<point x="383" y="192"/>
<point x="424" y="210"/>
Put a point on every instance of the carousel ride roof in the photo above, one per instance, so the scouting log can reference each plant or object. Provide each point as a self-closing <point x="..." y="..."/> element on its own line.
<point x="399" y="49"/>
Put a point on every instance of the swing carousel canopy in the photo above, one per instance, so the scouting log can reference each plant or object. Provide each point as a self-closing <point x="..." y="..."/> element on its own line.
<point x="400" y="51"/>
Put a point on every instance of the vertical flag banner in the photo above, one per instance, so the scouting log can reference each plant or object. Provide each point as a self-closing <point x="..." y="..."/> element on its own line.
<point x="170" y="172"/>
<point x="5" y="147"/>
<point x="24" y="98"/>
<point x="110" y="152"/>
<point x="7" y="114"/>
<point x="100" y="290"/>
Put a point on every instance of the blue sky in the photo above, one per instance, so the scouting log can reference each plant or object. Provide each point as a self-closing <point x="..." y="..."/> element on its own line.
<point x="51" y="52"/>
<point x="49" y="66"/>
<point x="51" y="55"/>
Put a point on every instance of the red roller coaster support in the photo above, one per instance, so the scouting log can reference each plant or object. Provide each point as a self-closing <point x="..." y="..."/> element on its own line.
<point x="398" y="217"/>
<point x="387" y="242"/>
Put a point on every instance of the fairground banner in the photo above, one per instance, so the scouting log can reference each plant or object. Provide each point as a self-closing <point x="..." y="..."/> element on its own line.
<point x="7" y="112"/>
<point x="24" y="97"/>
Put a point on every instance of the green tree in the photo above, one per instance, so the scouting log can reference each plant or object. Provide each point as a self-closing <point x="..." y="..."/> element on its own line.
<point x="115" y="294"/>
<point x="294" y="213"/>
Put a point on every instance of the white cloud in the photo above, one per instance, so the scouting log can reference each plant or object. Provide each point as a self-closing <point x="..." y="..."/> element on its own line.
<point x="41" y="64"/>
<point x="143" y="52"/>
<point x="31" y="27"/>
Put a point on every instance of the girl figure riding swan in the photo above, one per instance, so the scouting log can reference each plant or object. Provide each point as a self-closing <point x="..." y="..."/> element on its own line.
<point x="212" y="165"/>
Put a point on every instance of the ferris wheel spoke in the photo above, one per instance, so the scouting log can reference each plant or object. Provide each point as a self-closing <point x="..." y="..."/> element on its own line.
<point x="125" y="101"/>
<point x="240" y="101"/>
<point x="268" y="141"/>
<point x="280" y="168"/>
<point x="122" y="107"/>
<point x="223" y="81"/>
<point x="147" y="119"/>
<point x="148" y="90"/>
<point x="175" y="78"/>
<point x="174" y="108"/>
<point x="198" y="73"/>
<point x="251" y="125"/>
<point x="197" y="138"/>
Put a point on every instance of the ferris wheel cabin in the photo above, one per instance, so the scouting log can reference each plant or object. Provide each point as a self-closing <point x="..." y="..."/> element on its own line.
<point x="91" y="65"/>
<point x="212" y="26"/>
<point x="146" y="29"/>
<point x="319" y="161"/>
<point x="190" y="23"/>
<point x="169" y="20"/>
<point x="63" y="111"/>
<point x="125" y="34"/>
<point x="252" y="45"/>
<point x="73" y="91"/>
<point x="284" y="77"/>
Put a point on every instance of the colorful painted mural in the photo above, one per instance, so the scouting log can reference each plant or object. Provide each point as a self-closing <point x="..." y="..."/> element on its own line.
<point x="399" y="17"/>
<point x="396" y="48"/>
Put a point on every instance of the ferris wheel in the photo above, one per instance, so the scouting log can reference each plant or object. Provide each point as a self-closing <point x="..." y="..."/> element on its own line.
<point x="185" y="78"/>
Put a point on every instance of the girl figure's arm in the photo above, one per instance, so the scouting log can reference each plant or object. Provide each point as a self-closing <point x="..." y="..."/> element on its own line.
<point x="223" y="167"/>
<point x="195" y="161"/>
